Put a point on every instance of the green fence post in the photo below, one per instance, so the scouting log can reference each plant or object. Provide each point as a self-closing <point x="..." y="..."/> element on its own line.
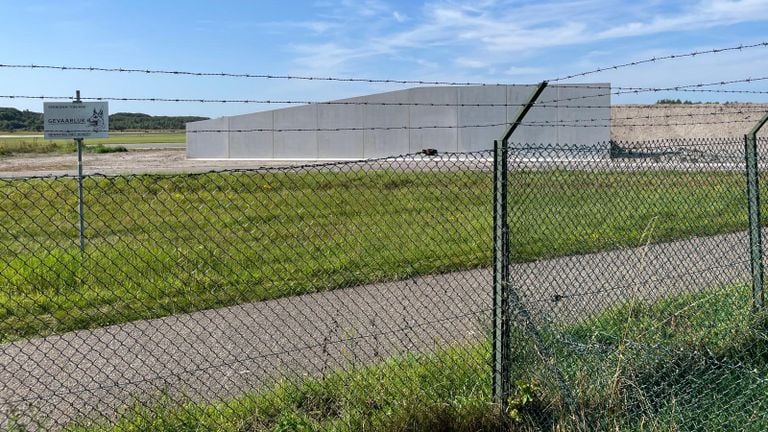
<point x="755" y="225"/>
<point x="501" y="356"/>
<point x="500" y="270"/>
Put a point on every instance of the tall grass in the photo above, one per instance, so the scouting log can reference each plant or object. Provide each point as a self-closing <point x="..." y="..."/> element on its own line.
<point x="33" y="146"/>
<point x="20" y="145"/>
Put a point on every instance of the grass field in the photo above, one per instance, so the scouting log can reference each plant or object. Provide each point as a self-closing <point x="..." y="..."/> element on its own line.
<point x="160" y="245"/>
<point x="690" y="362"/>
<point x="23" y="144"/>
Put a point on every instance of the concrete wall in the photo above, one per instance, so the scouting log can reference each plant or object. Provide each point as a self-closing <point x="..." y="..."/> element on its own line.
<point x="268" y="134"/>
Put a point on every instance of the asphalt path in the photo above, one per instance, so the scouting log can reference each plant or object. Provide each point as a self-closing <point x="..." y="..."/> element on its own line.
<point x="219" y="353"/>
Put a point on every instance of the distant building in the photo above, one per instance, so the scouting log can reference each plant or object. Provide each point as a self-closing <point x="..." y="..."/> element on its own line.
<point x="448" y="119"/>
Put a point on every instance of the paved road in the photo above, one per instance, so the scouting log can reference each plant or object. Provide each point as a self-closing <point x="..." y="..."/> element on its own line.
<point x="214" y="354"/>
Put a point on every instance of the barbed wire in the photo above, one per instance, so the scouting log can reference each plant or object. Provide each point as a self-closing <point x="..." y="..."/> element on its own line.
<point x="697" y="86"/>
<point x="650" y="117"/>
<point x="637" y="90"/>
<point x="723" y="91"/>
<point x="261" y="101"/>
<point x="540" y="123"/>
<point x="471" y="126"/>
<point x="267" y="76"/>
<point x="619" y="90"/>
<point x="661" y="58"/>
<point x="248" y="75"/>
<point x="543" y="104"/>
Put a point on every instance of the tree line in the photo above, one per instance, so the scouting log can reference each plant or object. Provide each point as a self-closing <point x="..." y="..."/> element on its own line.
<point x="12" y="119"/>
<point x="688" y="102"/>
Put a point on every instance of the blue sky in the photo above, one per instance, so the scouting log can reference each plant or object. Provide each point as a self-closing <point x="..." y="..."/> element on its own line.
<point x="455" y="40"/>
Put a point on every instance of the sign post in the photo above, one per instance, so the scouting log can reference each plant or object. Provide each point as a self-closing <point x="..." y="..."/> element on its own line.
<point x="77" y="120"/>
<point x="80" y="215"/>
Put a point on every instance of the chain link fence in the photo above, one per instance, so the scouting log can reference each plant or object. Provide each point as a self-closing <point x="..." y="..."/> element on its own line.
<point x="636" y="308"/>
<point x="358" y="295"/>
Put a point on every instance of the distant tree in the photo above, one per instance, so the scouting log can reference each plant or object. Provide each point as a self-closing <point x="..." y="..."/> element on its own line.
<point x="12" y="119"/>
<point x="678" y="102"/>
<point x="140" y="121"/>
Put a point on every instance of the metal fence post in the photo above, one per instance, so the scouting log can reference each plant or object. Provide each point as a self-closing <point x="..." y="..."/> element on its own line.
<point x="501" y="355"/>
<point x="80" y="216"/>
<point x="755" y="225"/>
<point x="501" y="371"/>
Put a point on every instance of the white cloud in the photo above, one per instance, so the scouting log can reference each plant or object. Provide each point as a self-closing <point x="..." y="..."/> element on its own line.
<point x="491" y="34"/>
<point x="709" y="13"/>
<point x="324" y="57"/>
<point x="552" y="24"/>
<point x="522" y="70"/>
<point x="471" y="63"/>
<point x="366" y="8"/>
<point x="316" y="27"/>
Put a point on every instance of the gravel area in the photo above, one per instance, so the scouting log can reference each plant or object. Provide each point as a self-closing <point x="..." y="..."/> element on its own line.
<point x="219" y="353"/>
<point x="143" y="161"/>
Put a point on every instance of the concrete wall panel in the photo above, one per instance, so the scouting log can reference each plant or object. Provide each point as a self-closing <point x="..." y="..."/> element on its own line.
<point x="296" y="144"/>
<point x="344" y="144"/>
<point x="208" y="145"/>
<point x="517" y="95"/>
<point x="256" y="145"/>
<point x="444" y="140"/>
<point x="380" y="142"/>
<point x="481" y="138"/>
<point x="585" y="132"/>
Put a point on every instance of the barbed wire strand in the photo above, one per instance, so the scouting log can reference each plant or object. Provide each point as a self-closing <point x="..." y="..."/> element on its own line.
<point x="541" y="123"/>
<point x="363" y="79"/>
<point x="542" y="104"/>
<point x="471" y="126"/>
<point x="661" y="58"/>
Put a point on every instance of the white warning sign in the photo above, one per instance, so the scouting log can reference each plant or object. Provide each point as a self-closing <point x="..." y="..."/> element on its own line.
<point x="76" y="120"/>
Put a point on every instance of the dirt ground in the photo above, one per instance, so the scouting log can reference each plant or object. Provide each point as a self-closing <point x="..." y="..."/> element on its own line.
<point x="155" y="161"/>
<point x="629" y="123"/>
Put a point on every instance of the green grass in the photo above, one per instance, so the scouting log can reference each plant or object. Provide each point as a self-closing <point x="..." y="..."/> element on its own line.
<point x="415" y="392"/>
<point x="160" y="245"/>
<point x="696" y="361"/>
<point x="101" y="148"/>
<point x="19" y="145"/>
<point x="691" y="362"/>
